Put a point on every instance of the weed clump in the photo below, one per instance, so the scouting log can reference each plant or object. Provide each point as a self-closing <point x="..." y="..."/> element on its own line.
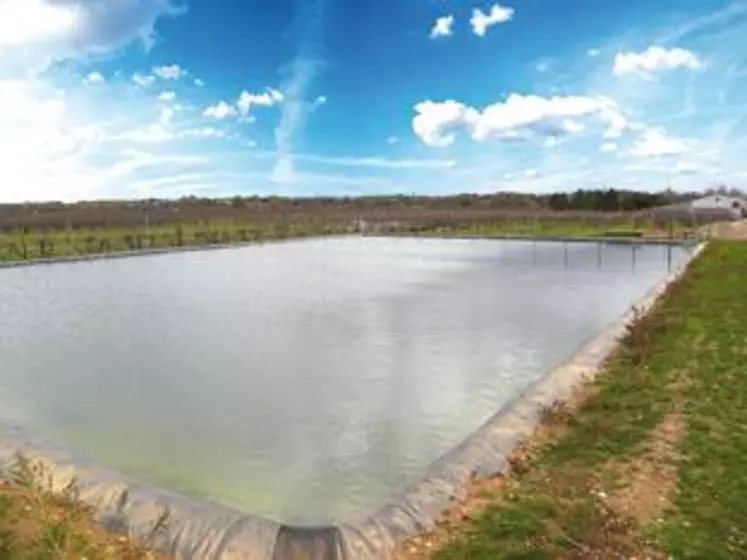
<point x="37" y="521"/>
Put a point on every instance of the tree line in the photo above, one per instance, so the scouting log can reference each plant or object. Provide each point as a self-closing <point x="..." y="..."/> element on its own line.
<point x="614" y="200"/>
<point x="132" y="213"/>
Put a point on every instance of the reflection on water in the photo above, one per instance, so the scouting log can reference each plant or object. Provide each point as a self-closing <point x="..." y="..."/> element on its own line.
<point x="306" y="381"/>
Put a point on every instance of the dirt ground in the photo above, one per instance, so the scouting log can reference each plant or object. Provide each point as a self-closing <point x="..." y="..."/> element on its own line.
<point x="725" y="230"/>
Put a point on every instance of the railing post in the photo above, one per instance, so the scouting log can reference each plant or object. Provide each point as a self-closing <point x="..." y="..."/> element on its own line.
<point x="669" y="257"/>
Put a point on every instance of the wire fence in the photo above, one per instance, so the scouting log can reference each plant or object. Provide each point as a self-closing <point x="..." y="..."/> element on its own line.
<point x="156" y="231"/>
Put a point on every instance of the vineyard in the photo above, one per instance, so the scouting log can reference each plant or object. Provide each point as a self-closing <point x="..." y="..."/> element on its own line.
<point x="47" y="230"/>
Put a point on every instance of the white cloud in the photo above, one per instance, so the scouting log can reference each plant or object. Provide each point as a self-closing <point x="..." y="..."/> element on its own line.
<point x="94" y="78"/>
<point x="543" y="115"/>
<point x="35" y="33"/>
<point x="593" y="52"/>
<point x="170" y="72"/>
<point x="26" y="21"/>
<point x="654" y="59"/>
<point x="608" y="147"/>
<point x="244" y="104"/>
<point x="574" y="127"/>
<point x="199" y="82"/>
<point x="166" y="116"/>
<point x="656" y="142"/>
<point x="154" y="133"/>
<point x="151" y="134"/>
<point x="143" y="81"/>
<point x="481" y="21"/>
<point x="514" y="118"/>
<point x="434" y="121"/>
<point x="284" y="172"/>
<point x="42" y="145"/>
<point x="321" y="100"/>
<point x="20" y="103"/>
<point x="617" y="123"/>
<point x="443" y="27"/>
<point x="220" y="110"/>
<point x="65" y="141"/>
<point x="247" y="100"/>
<point x="203" y="132"/>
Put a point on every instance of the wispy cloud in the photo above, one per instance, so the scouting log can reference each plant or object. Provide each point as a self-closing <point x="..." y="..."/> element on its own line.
<point x="713" y="20"/>
<point x="170" y="72"/>
<point x="94" y="78"/>
<point x="655" y="142"/>
<point x="143" y="81"/>
<point x="655" y="59"/>
<point x="309" y="19"/>
<point x="378" y="162"/>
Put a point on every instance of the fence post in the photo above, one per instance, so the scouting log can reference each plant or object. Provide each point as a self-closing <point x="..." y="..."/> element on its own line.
<point x="669" y="257"/>
<point x="24" y="248"/>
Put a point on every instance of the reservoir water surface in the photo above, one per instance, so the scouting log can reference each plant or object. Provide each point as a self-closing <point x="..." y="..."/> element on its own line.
<point x="304" y="381"/>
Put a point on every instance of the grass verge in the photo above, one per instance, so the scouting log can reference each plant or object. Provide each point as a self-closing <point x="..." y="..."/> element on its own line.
<point x="21" y="245"/>
<point x="648" y="460"/>
<point x="551" y="227"/>
<point x="35" y="244"/>
<point x="37" y="524"/>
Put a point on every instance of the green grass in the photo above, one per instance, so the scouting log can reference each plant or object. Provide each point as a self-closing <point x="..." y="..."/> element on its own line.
<point x="549" y="227"/>
<point x="22" y="245"/>
<point x="34" y="244"/>
<point x="685" y="360"/>
<point x="38" y="524"/>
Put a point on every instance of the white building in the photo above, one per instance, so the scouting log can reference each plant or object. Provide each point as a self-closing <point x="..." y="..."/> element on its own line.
<point x="721" y="203"/>
<point x="707" y="209"/>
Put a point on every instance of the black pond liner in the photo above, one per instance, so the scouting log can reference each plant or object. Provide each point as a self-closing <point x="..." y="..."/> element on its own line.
<point x="201" y="529"/>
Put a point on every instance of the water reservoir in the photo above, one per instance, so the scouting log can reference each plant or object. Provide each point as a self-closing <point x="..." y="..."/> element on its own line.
<point x="305" y="381"/>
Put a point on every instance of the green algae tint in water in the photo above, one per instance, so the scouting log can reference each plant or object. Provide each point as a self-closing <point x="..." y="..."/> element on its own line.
<point x="305" y="381"/>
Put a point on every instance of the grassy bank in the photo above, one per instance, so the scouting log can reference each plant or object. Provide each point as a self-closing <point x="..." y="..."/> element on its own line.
<point x="19" y="245"/>
<point x="29" y="244"/>
<point x="36" y="524"/>
<point x="554" y="227"/>
<point x="645" y="462"/>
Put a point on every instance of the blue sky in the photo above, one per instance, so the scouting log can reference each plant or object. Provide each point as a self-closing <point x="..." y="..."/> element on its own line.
<point x="162" y="98"/>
